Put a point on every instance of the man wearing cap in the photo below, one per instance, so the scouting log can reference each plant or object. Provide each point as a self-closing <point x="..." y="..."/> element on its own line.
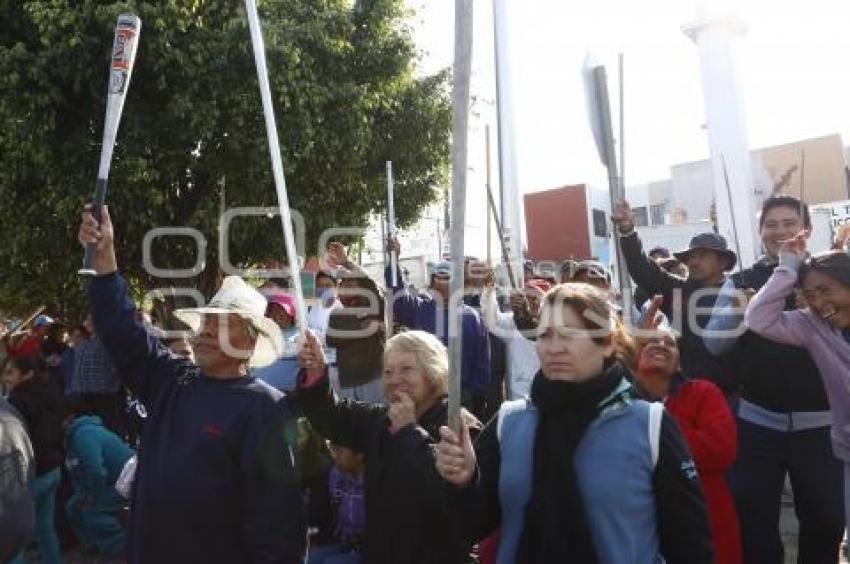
<point x="30" y="346"/>
<point x="594" y="273"/>
<point x="708" y="259"/>
<point x="431" y="313"/>
<point x="216" y="479"/>
<point x="657" y="253"/>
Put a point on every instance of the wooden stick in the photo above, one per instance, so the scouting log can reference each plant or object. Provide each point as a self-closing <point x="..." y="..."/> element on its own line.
<point x="18" y="330"/>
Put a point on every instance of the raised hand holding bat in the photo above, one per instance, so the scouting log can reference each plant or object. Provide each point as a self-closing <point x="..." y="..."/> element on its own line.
<point x="120" y="69"/>
<point x="98" y="236"/>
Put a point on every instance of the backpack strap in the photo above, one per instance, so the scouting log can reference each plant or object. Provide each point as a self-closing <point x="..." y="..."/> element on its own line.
<point x="656" y="412"/>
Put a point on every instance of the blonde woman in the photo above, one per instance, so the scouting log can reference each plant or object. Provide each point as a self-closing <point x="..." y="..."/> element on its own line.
<point x="410" y="513"/>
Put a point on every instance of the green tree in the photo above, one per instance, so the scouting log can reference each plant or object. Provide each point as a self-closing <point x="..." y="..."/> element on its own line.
<point x="192" y="138"/>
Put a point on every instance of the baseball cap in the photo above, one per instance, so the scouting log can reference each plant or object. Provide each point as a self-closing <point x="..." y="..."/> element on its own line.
<point x="442" y="270"/>
<point x="285" y="301"/>
<point x="42" y="321"/>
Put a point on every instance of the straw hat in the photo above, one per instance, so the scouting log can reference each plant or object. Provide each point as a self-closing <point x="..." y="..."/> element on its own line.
<point x="236" y="297"/>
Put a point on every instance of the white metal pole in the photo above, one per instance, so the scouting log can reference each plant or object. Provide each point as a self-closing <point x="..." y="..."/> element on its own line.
<point x="277" y="162"/>
<point x="511" y="202"/>
<point x="622" y="126"/>
<point x="460" y="125"/>
<point x="390" y="297"/>
<point x="391" y="222"/>
<point x="489" y="189"/>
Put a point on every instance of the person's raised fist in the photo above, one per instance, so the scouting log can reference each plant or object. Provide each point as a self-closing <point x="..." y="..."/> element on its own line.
<point x="100" y="234"/>
<point x="623" y="217"/>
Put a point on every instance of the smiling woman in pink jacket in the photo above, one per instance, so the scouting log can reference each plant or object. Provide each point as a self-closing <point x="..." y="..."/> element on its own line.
<point x="823" y="328"/>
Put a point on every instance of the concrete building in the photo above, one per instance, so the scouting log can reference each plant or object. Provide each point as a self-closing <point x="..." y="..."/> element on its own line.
<point x="818" y="165"/>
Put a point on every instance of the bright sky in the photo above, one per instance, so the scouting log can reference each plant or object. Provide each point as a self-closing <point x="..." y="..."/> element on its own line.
<point x="792" y="63"/>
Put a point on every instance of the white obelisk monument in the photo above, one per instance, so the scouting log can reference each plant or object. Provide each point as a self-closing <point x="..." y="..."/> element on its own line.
<point x="714" y="33"/>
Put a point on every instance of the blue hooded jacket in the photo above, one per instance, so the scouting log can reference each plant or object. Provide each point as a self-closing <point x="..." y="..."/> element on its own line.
<point x="95" y="457"/>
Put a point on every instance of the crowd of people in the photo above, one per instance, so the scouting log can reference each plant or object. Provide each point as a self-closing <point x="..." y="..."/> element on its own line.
<point x="581" y="439"/>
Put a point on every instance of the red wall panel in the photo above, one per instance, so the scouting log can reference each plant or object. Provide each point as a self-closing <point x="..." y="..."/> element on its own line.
<point x="556" y="223"/>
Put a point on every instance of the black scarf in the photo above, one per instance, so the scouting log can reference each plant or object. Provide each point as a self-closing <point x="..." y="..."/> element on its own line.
<point x="556" y="528"/>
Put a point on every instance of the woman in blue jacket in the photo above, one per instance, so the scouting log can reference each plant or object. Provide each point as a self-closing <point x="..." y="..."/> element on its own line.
<point x="94" y="458"/>
<point x="581" y="471"/>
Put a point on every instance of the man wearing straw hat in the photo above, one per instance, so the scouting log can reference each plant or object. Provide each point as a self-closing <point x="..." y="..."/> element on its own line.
<point x="216" y="475"/>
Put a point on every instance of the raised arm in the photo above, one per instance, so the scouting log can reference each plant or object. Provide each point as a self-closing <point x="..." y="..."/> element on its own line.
<point x="406" y="306"/>
<point x="143" y="363"/>
<point x="842" y="237"/>
<point x="649" y="276"/>
<point x="345" y="422"/>
<point x="351" y="325"/>
<point x="338" y="257"/>
<point x="765" y="314"/>
<point x="498" y="322"/>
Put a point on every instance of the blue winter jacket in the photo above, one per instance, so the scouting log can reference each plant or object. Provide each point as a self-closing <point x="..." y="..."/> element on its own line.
<point x="94" y="458"/>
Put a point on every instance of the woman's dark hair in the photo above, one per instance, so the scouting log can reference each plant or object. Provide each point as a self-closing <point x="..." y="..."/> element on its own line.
<point x="835" y="264"/>
<point x="325" y="274"/>
<point x="55" y="331"/>
<point x="53" y="343"/>
<point x="26" y="364"/>
<point x="785" y="202"/>
<point x="596" y="313"/>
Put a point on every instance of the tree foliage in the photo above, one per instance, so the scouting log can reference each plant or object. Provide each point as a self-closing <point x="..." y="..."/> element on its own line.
<point x="192" y="138"/>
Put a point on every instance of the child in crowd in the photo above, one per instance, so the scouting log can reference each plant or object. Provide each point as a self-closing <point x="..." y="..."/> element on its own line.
<point x="346" y="489"/>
